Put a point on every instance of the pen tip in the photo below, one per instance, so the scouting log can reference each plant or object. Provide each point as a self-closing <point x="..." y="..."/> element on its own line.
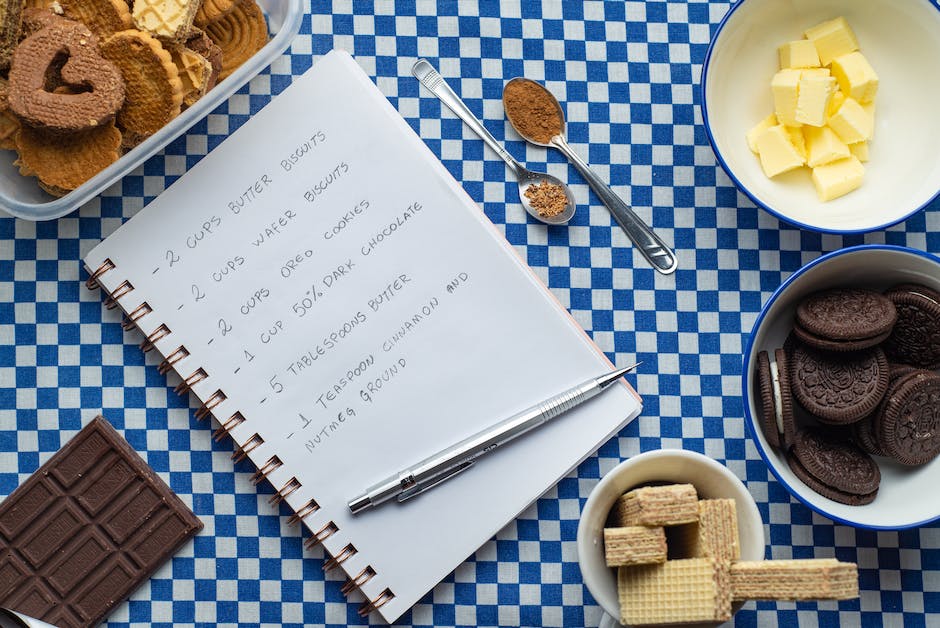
<point x="610" y="378"/>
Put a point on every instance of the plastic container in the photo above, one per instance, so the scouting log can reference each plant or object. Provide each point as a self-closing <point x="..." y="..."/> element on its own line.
<point x="22" y="197"/>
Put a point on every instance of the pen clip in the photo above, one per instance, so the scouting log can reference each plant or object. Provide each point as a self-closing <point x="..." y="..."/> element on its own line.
<point x="420" y="487"/>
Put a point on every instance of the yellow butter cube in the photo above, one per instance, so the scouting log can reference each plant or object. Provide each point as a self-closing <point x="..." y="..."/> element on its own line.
<point x="823" y="146"/>
<point x="869" y="108"/>
<point x="851" y="122"/>
<point x="856" y="76"/>
<point x="785" y="86"/>
<point x="777" y="153"/>
<point x="759" y="128"/>
<point x="860" y="150"/>
<point x="815" y="72"/>
<point x="813" y="96"/>
<point x="837" y="178"/>
<point x="798" y="54"/>
<point x="835" y="102"/>
<point x="832" y="39"/>
<point x="795" y="134"/>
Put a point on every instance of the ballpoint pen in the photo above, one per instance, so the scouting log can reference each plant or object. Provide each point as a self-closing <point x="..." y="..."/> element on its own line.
<point x="448" y="462"/>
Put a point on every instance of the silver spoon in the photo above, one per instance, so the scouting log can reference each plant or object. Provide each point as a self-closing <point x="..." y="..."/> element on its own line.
<point x="649" y="244"/>
<point x="430" y="78"/>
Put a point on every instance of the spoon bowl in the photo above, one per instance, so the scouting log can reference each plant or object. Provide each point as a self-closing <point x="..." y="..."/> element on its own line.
<point x="527" y="178"/>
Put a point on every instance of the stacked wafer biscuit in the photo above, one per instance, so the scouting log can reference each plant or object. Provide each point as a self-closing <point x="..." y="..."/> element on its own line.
<point x="89" y="79"/>
<point x="678" y="561"/>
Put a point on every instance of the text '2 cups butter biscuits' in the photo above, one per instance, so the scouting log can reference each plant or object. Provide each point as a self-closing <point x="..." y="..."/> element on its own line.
<point x="909" y="428"/>
<point x="64" y="162"/>
<point x="862" y="318"/>
<point x="839" y="388"/>
<point x="240" y="34"/>
<point x="154" y="90"/>
<point x="103" y="17"/>
<point x="97" y="86"/>
<point x="915" y="338"/>
<point x="167" y="19"/>
<point x="834" y="468"/>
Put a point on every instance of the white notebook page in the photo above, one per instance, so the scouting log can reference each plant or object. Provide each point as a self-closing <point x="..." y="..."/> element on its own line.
<point x="361" y="312"/>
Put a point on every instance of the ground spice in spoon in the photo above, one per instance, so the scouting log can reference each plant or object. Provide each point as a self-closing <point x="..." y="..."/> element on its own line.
<point x="548" y="199"/>
<point x="532" y="110"/>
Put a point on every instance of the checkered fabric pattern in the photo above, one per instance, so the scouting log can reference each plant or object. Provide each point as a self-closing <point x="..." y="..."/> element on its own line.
<point x="627" y="73"/>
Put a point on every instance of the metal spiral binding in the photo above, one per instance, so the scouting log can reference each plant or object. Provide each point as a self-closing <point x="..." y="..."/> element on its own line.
<point x="328" y="530"/>
<point x="273" y="464"/>
<point x="242" y="451"/>
<point x="92" y="282"/>
<point x="340" y="557"/>
<point x="210" y="404"/>
<point x="194" y="378"/>
<point x="354" y="583"/>
<point x="383" y="598"/>
<point x="179" y="353"/>
<point x="157" y="334"/>
<point x="139" y="312"/>
<point x="123" y="289"/>
<point x="299" y="515"/>
<point x="231" y="423"/>
<point x="293" y="485"/>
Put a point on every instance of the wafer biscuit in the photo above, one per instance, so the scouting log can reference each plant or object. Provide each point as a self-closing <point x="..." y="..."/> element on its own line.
<point x="166" y="19"/>
<point x="11" y="17"/>
<point x="669" y="505"/>
<point x="714" y="535"/>
<point x="677" y="591"/>
<point x="64" y="162"/>
<point x="240" y="34"/>
<point x="211" y="10"/>
<point x="806" y="579"/>
<point x="103" y="17"/>
<point x="154" y="88"/>
<point x="195" y="72"/>
<point x="634" y="545"/>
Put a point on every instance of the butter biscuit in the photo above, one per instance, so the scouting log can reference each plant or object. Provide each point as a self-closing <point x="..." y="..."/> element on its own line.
<point x="36" y="72"/>
<point x="64" y="162"/>
<point x="11" y="19"/>
<point x="103" y="17"/>
<point x="212" y="10"/>
<point x="154" y="89"/>
<point x="240" y="34"/>
<point x="195" y="72"/>
<point x="167" y="19"/>
<point x="9" y="123"/>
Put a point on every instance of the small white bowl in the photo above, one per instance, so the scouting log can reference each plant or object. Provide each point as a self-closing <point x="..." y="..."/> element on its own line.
<point x="904" y="498"/>
<point x="899" y="39"/>
<point x="711" y="480"/>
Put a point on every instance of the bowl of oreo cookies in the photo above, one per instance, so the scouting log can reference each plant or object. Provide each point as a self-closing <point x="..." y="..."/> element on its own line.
<point x="841" y="385"/>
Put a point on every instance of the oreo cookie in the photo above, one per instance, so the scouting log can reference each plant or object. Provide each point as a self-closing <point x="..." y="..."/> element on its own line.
<point x="915" y="338"/>
<point x="773" y="381"/>
<point x="834" y="468"/>
<point x="852" y="315"/>
<point x="839" y="388"/>
<point x="764" y="381"/>
<point x="908" y="426"/>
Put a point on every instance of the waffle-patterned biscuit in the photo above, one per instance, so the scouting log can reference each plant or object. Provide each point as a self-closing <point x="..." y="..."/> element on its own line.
<point x="806" y="579"/>
<point x="64" y="162"/>
<point x="103" y="17"/>
<point x="199" y="42"/>
<point x="212" y="10"/>
<point x="240" y="34"/>
<point x="11" y="19"/>
<point x="167" y="19"/>
<point x="669" y="505"/>
<point x="677" y="591"/>
<point x="634" y="545"/>
<point x="714" y="535"/>
<point x="154" y="88"/>
<point x="41" y="53"/>
<point x="195" y="72"/>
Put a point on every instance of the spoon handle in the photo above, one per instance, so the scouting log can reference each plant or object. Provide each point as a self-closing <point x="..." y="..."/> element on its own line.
<point x="643" y="237"/>
<point x="431" y="78"/>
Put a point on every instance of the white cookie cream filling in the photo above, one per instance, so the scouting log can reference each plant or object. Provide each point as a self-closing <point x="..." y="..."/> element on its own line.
<point x="778" y="396"/>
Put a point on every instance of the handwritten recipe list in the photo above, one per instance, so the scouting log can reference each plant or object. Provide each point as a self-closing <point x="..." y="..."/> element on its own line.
<point x="321" y="276"/>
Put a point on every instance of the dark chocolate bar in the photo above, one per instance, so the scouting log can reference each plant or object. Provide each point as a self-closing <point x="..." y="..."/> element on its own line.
<point x="84" y="531"/>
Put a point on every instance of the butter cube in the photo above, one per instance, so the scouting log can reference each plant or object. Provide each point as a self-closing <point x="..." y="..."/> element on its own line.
<point x="869" y="108"/>
<point x="777" y="153"/>
<point x="815" y="72"/>
<point x="798" y="54"/>
<point x="835" y="102"/>
<point x="856" y="76"/>
<point x="851" y="122"/>
<point x="813" y="96"/>
<point x="823" y="146"/>
<point x="795" y="134"/>
<point x="759" y="128"/>
<point x="840" y="177"/>
<point x="832" y="39"/>
<point x="860" y="150"/>
<point x="785" y="86"/>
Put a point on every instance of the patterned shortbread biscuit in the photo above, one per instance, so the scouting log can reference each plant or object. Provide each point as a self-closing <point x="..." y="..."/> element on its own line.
<point x="669" y="505"/>
<point x="212" y="10"/>
<point x="103" y="17"/>
<point x="634" y="545"/>
<point x="64" y="162"/>
<point x="240" y="34"/>
<point x="166" y="19"/>
<point x="677" y="591"/>
<point x="799" y="579"/>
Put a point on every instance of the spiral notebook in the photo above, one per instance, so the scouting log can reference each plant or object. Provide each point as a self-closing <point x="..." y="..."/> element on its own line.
<point x="335" y="300"/>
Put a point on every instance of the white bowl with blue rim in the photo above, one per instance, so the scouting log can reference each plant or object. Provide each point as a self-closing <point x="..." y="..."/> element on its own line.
<point x="906" y="497"/>
<point x="901" y="41"/>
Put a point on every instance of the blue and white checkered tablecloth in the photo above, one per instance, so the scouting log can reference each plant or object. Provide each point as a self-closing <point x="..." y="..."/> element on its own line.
<point x="627" y="73"/>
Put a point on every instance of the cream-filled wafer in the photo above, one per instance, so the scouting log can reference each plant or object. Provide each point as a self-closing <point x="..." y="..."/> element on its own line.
<point x="668" y="505"/>
<point x="714" y="535"/>
<point x="167" y="19"/>
<point x="634" y="545"/>
<point x="799" y="579"/>
<point x="676" y="591"/>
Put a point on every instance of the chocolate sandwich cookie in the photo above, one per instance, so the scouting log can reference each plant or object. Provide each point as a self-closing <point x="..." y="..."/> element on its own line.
<point x="908" y="428"/>
<point x="839" y="388"/>
<point x="773" y="380"/>
<point x="787" y="421"/>
<point x="853" y="315"/>
<point x="765" y="389"/>
<point x="863" y="435"/>
<point x="834" y="468"/>
<point x="915" y="338"/>
<point x="825" y="344"/>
